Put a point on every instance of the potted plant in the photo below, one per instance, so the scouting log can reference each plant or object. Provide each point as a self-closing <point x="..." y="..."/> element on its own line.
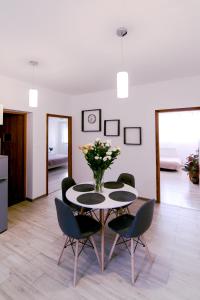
<point x="192" y="167"/>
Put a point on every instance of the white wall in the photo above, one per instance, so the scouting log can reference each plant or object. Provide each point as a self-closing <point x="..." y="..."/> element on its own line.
<point x="138" y="110"/>
<point x="14" y="95"/>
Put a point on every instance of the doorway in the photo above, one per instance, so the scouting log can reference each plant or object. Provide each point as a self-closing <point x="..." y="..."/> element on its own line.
<point x="58" y="150"/>
<point x="177" y="137"/>
<point x="13" y="145"/>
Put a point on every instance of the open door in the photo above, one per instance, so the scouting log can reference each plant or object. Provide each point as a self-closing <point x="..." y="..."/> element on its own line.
<point x="177" y="136"/>
<point x="13" y="145"/>
<point x="59" y="150"/>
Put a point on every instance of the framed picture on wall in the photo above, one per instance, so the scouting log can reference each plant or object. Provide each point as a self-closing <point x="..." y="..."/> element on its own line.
<point x="112" y="127"/>
<point x="132" y="135"/>
<point x="91" y="120"/>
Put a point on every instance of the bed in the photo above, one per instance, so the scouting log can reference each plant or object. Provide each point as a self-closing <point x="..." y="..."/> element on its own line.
<point x="169" y="159"/>
<point x="57" y="160"/>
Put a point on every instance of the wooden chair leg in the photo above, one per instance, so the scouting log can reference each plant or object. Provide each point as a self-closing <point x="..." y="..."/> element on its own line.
<point x="128" y="210"/>
<point x="132" y="263"/>
<point x="76" y="261"/>
<point x="118" y="212"/>
<point x="113" y="246"/>
<point x="95" y="249"/>
<point x="82" y="211"/>
<point x="65" y="244"/>
<point x="107" y="216"/>
<point x="94" y="215"/>
<point x="146" y="249"/>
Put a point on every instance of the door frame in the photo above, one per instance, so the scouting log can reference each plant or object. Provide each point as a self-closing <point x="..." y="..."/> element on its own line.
<point x="69" y="118"/>
<point x="158" y="142"/>
<point x="24" y="114"/>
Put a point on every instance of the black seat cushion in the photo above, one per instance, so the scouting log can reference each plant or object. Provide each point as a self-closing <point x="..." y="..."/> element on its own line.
<point x="87" y="225"/>
<point x="121" y="224"/>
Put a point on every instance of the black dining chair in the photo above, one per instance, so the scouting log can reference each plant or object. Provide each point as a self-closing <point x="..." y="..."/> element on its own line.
<point x="65" y="185"/>
<point x="125" y="178"/>
<point x="78" y="230"/>
<point x="132" y="228"/>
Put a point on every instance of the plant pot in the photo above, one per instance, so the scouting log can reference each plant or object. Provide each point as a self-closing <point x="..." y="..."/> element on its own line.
<point x="194" y="177"/>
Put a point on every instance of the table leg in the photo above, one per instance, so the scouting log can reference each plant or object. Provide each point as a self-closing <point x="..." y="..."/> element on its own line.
<point x="102" y="239"/>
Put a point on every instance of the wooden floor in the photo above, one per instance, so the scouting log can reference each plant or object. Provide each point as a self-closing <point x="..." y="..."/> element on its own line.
<point x="30" y="248"/>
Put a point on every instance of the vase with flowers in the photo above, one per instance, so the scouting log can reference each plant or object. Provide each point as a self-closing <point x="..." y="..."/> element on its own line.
<point x="192" y="167"/>
<point x="99" y="156"/>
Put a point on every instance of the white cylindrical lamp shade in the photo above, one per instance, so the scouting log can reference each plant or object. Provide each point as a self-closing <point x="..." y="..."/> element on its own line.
<point x="122" y="85"/>
<point x="33" y="98"/>
<point x="1" y="114"/>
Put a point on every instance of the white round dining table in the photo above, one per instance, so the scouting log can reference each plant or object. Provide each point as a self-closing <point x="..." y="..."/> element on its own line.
<point x="108" y="203"/>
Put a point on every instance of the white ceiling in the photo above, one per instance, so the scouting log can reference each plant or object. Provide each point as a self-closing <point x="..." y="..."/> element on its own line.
<point x="78" y="50"/>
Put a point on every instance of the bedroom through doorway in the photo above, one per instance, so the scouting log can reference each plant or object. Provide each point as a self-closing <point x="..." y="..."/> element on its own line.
<point x="59" y="146"/>
<point x="178" y="137"/>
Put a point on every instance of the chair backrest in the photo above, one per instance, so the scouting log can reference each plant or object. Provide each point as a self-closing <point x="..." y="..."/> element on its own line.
<point x="127" y="179"/>
<point x="142" y="220"/>
<point x="67" y="220"/>
<point x="66" y="184"/>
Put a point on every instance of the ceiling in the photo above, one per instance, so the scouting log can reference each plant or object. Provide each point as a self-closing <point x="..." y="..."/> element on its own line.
<point x="78" y="50"/>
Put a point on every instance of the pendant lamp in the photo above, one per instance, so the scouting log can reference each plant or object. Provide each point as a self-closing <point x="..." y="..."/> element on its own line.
<point x="33" y="93"/>
<point x="122" y="76"/>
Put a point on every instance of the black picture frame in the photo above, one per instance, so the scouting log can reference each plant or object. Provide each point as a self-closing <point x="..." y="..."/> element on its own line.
<point x="91" y="120"/>
<point x="108" y="123"/>
<point x="137" y="136"/>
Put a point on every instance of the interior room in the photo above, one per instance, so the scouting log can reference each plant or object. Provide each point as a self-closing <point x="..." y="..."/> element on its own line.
<point x="179" y="138"/>
<point x="91" y="83"/>
<point x="57" y="152"/>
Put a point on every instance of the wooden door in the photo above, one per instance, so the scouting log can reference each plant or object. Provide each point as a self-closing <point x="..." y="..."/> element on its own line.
<point x="12" y="135"/>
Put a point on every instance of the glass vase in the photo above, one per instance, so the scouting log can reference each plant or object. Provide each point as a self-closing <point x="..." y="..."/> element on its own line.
<point x="98" y="180"/>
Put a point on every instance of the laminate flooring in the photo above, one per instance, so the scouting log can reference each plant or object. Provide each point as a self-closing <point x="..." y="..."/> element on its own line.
<point x="30" y="248"/>
<point x="55" y="176"/>
<point x="177" y="189"/>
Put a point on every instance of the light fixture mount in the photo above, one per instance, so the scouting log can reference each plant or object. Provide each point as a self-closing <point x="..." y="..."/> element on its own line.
<point x="122" y="31"/>
<point x="33" y="63"/>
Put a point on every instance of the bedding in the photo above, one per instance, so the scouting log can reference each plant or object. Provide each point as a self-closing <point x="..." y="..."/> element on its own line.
<point x="56" y="160"/>
<point x="169" y="159"/>
<point x="170" y="163"/>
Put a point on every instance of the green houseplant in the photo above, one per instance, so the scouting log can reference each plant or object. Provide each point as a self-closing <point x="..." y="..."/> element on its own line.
<point x="192" y="167"/>
<point x="99" y="156"/>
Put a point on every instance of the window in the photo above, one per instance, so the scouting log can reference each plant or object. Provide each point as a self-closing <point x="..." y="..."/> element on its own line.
<point x="64" y="133"/>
